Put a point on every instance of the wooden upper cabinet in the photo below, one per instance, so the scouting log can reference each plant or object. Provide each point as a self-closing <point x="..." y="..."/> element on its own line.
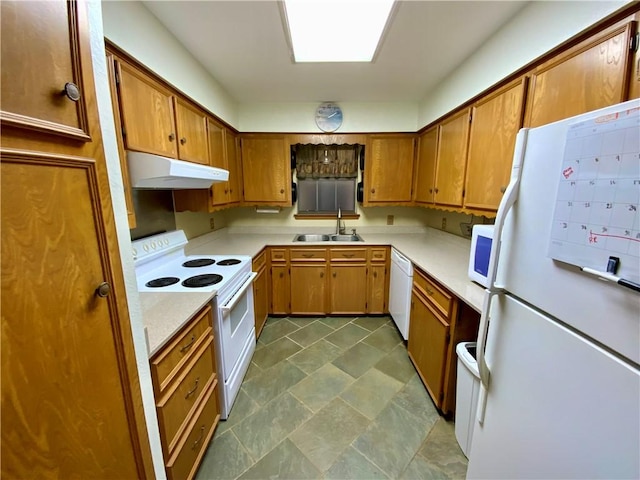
<point x="234" y="167"/>
<point x="191" y="129"/>
<point x="590" y="76"/>
<point x="218" y="158"/>
<point x="426" y="166"/>
<point x="147" y="113"/>
<point x="52" y="63"/>
<point x="451" y="159"/>
<point x="388" y="171"/>
<point x="266" y="170"/>
<point x="496" y="120"/>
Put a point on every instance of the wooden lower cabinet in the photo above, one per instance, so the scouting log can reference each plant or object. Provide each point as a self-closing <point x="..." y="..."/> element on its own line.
<point x="185" y="384"/>
<point x="308" y="288"/>
<point x="377" y="289"/>
<point x="260" y="291"/>
<point x="280" y="289"/>
<point x="348" y="289"/>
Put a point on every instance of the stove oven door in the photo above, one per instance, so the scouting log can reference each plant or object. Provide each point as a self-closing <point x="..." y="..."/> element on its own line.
<point x="236" y="322"/>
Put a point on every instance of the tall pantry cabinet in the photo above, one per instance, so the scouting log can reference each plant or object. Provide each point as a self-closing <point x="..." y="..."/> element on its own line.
<point x="70" y="398"/>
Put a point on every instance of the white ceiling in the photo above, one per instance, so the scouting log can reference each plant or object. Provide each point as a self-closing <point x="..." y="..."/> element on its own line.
<point x="243" y="45"/>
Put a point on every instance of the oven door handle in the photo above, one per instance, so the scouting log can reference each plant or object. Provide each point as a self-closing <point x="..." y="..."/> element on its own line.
<point x="225" y="309"/>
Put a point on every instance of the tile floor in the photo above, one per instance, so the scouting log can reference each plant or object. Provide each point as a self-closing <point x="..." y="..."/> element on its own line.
<point x="333" y="398"/>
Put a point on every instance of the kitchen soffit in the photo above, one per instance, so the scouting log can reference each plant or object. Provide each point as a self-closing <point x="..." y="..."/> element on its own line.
<point x="243" y="45"/>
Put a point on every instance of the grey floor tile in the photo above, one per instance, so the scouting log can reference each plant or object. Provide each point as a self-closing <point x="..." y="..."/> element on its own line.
<point x="321" y="386"/>
<point x="252" y="371"/>
<point x="347" y="336"/>
<point x="358" y="359"/>
<point x="441" y="450"/>
<point x="225" y="458"/>
<point x="315" y="356"/>
<point x="310" y="334"/>
<point x="420" y="469"/>
<point x="352" y="465"/>
<point x="397" y="364"/>
<point x="371" y="392"/>
<point x="302" y="321"/>
<point x="391" y="440"/>
<point x="370" y="323"/>
<point x="273" y="382"/>
<point x="336" y="322"/>
<point x="242" y="408"/>
<point x="385" y="338"/>
<point x="285" y="461"/>
<point x="275" y="352"/>
<point x="268" y="426"/>
<point x="324" y="437"/>
<point x="414" y="398"/>
<point x="275" y="330"/>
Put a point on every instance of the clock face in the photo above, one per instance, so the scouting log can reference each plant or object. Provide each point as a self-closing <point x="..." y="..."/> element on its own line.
<point x="328" y="117"/>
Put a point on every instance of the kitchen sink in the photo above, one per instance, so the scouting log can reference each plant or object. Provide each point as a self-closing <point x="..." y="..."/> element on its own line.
<point x="314" y="237"/>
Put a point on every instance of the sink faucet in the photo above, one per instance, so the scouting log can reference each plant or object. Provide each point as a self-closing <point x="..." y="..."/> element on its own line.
<point x="339" y="229"/>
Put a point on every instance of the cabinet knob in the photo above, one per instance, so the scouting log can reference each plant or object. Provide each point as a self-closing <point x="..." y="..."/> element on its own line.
<point x="431" y="190"/>
<point x="183" y="140"/>
<point x="375" y="274"/>
<point x="503" y="189"/>
<point x="321" y="274"/>
<point x="436" y="190"/>
<point x="281" y="274"/>
<point x="282" y="190"/>
<point x="172" y="137"/>
<point x="334" y="274"/>
<point x="72" y="91"/>
<point x="373" y="190"/>
<point x="103" y="290"/>
<point x="226" y="191"/>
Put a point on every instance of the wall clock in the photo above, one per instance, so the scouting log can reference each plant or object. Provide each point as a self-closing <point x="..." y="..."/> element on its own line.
<point x="328" y="117"/>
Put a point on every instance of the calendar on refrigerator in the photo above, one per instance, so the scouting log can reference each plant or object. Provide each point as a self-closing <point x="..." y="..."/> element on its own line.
<point x="596" y="214"/>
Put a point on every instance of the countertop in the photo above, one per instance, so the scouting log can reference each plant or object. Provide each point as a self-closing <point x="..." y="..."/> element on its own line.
<point x="442" y="255"/>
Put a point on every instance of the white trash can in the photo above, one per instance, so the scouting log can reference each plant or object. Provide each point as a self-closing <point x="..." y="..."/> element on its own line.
<point x="467" y="388"/>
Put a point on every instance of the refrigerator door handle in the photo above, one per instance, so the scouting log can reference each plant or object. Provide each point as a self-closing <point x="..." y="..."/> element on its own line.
<point x="508" y="200"/>
<point x="483" y="368"/>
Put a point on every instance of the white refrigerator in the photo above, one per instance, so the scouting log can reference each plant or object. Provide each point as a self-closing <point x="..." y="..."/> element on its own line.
<point x="559" y="338"/>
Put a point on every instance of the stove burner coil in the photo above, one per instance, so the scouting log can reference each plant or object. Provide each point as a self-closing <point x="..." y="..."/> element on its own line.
<point x="199" y="262"/>
<point x="161" y="282"/>
<point x="202" y="280"/>
<point x="229" y="261"/>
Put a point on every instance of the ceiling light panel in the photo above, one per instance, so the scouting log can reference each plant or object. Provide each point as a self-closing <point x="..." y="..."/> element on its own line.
<point x="336" y="31"/>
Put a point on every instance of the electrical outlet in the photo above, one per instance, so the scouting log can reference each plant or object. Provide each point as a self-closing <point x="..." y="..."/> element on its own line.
<point x="389" y="219"/>
<point x="444" y="223"/>
<point x="212" y="224"/>
<point x="466" y="229"/>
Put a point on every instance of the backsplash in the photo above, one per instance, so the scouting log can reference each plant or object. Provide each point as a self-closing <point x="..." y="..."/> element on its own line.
<point x="154" y="212"/>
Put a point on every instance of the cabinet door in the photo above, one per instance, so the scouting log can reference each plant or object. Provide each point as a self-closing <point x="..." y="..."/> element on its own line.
<point x="308" y="288"/>
<point x="496" y="120"/>
<point x="348" y="289"/>
<point x="234" y="167"/>
<point x="591" y="75"/>
<point x="191" y="126"/>
<point x="280" y="290"/>
<point x="218" y="158"/>
<point x="266" y="170"/>
<point x="32" y="86"/>
<point x="427" y="345"/>
<point x="377" y="289"/>
<point x="261" y="300"/>
<point x="452" y="159"/>
<point x="389" y="169"/>
<point x="426" y="166"/>
<point x="147" y="113"/>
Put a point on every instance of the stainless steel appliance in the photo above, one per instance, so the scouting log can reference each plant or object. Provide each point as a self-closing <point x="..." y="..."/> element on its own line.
<point x="161" y="266"/>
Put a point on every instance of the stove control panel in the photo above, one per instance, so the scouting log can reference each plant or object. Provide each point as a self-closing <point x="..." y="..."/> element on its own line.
<point x="148" y="248"/>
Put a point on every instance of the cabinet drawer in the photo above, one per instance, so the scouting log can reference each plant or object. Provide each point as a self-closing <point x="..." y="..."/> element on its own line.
<point x="278" y="254"/>
<point x="378" y="254"/>
<point x="259" y="261"/>
<point x="166" y="364"/>
<point x="348" y="254"/>
<point x="305" y="254"/>
<point x="440" y="297"/>
<point x="176" y="407"/>
<point x="193" y="444"/>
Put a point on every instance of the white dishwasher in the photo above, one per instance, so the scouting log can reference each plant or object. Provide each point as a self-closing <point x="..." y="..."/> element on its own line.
<point x="400" y="285"/>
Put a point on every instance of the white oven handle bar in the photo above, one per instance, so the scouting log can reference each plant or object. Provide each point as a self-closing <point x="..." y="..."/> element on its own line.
<point x="226" y="308"/>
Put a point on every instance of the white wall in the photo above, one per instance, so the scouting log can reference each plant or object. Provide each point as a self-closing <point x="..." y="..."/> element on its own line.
<point x="122" y="230"/>
<point x="138" y="32"/>
<point x="535" y="30"/>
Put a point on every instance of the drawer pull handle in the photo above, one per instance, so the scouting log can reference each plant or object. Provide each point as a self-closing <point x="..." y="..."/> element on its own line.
<point x="188" y="345"/>
<point x="195" y="387"/>
<point x="197" y="442"/>
<point x="430" y="292"/>
<point x="348" y="255"/>
<point x="307" y="255"/>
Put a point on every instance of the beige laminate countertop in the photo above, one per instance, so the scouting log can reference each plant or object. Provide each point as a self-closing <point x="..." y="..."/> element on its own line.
<point x="442" y="255"/>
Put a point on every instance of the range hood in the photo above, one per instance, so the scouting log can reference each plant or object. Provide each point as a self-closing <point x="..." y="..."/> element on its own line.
<point x="162" y="173"/>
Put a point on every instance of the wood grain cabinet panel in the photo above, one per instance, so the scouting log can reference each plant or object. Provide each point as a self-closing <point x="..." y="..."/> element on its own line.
<point x="388" y="172"/>
<point x="191" y="128"/>
<point x="348" y="290"/>
<point x="590" y="76"/>
<point x="496" y="120"/>
<point x="266" y="170"/>
<point x="280" y="289"/>
<point x="308" y="288"/>
<point x="425" y="181"/>
<point x="452" y="159"/>
<point x="260" y="291"/>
